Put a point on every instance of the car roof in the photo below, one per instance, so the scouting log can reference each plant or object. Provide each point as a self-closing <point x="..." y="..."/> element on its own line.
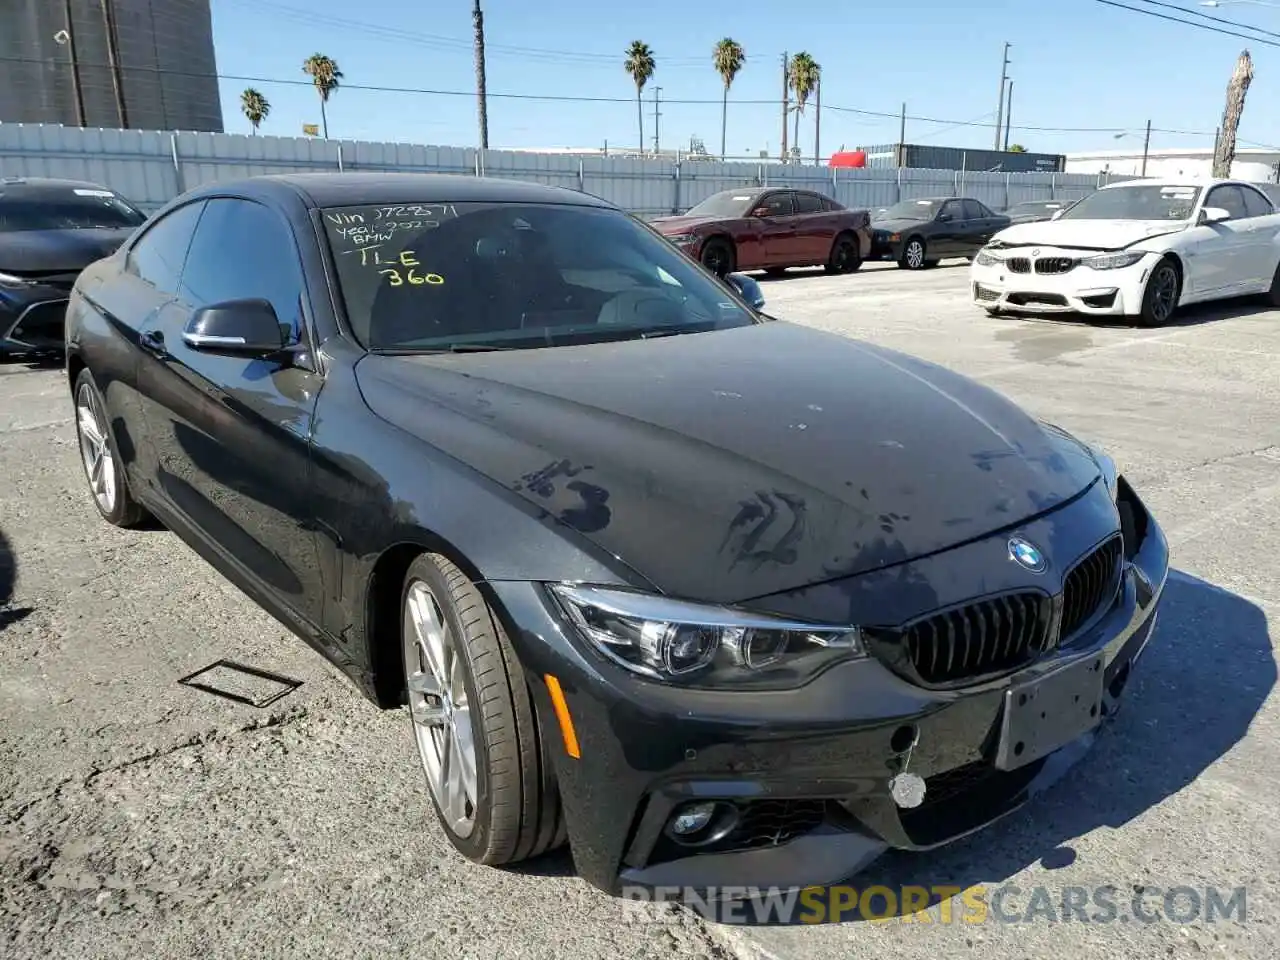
<point x="1171" y="182"/>
<point x="351" y="189"/>
<point x="15" y="186"/>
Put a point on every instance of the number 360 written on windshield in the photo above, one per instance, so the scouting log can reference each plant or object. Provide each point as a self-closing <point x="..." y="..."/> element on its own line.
<point x="398" y="278"/>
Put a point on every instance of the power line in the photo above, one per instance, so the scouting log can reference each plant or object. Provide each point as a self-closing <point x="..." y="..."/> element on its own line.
<point x="1190" y="23"/>
<point x="946" y="122"/>
<point x="1209" y="16"/>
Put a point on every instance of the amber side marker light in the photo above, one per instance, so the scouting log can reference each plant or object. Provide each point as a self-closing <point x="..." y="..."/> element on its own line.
<point x="562" y="714"/>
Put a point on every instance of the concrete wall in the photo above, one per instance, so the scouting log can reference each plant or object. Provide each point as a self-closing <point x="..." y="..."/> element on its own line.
<point x="151" y="167"/>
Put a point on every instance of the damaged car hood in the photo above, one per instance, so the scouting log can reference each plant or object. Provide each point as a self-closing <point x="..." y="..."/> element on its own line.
<point x="1086" y="234"/>
<point x="729" y="465"/>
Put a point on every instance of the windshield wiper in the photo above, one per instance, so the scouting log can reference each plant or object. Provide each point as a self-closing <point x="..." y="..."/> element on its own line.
<point x="451" y="348"/>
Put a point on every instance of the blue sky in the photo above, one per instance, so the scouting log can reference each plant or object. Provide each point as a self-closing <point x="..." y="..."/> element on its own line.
<point x="1075" y="63"/>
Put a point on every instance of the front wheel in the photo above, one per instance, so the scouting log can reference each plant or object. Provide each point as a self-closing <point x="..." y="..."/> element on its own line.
<point x="913" y="257"/>
<point x="486" y="760"/>
<point x="845" y="257"/>
<point x="1160" y="298"/>
<point x="718" y="257"/>
<point x="1272" y="296"/>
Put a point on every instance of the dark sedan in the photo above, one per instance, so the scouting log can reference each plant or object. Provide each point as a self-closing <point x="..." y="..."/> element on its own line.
<point x="770" y="230"/>
<point x="50" y="230"/>
<point x="918" y="233"/>
<point x="713" y="597"/>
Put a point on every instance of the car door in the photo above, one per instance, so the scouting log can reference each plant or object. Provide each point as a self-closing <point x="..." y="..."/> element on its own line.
<point x="127" y="300"/>
<point x="1219" y="251"/>
<point x="232" y="433"/>
<point x="980" y="226"/>
<point x="814" y="228"/>
<point x="947" y="237"/>
<point x="1263" y="228"/>
<point x="776" y="213"/>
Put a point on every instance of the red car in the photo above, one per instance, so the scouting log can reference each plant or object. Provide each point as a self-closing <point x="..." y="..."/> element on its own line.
<point x="770" y="229"/>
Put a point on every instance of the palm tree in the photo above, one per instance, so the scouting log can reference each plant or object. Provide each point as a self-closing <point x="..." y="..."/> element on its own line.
<point x="324" y="73"/>
<point x="482" y="96"/>
<point x="803" y="74"/>
<point x="256" y="107"/>
<point x="640" y="65"/>
<point x="729" y="58"/>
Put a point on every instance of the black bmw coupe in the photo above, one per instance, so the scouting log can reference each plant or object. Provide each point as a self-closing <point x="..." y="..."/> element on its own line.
<point x="712" y="597"/>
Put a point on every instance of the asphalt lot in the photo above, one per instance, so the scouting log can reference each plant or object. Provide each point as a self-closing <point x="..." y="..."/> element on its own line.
<point x="140" y="818"/>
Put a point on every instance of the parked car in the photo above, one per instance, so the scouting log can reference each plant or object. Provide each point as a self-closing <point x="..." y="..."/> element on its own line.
<point x="1138" y="249"/>
<point x="919" y="233"/>
<point x="770" y="230"/>
<point x="50" y="230"/>
<point x="510" y="459"/>
<point x="1031" y="211"/>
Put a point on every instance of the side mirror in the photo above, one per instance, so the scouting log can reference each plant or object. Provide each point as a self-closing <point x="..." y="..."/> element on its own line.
<point x="248" y="328"/>
<point x="748" y="288"/>
<point x="1214" y="215"/>
<point x="945" y="218"/>
<point x="760" y="212"/>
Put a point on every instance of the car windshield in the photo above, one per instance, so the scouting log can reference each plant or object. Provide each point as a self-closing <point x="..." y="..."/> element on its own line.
<point x="474" y="276"/>
<point x="910" y="210"/>
<point x="728" y="203"/>
<point x="79" y="209"/>
<point x="1138" y="202"/>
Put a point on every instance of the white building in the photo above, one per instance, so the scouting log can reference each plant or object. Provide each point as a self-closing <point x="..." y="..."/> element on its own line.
<point x="1255" y="165"/>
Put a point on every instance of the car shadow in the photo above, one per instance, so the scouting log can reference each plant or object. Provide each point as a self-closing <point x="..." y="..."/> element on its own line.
<point x="8" y="579"/>
<point x="1194" y="694"/>
<point x="1190" y="316"/>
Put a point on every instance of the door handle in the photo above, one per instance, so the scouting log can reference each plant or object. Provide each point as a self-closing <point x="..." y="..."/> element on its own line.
<point x="152" y="341"/>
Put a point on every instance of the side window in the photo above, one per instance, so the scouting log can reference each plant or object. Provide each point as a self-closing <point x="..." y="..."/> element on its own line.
<point x="1255" y="204"/>
<point x="1228" y="198"/>
<point x="829" y="204"/>
<point x="245" y="250"/>
<point x="158" y="255"/>
<point x="954" y="209"/>
<point x="777" y="204"/>
<point x="976" y="211"/>
<point x="808" y="203"/>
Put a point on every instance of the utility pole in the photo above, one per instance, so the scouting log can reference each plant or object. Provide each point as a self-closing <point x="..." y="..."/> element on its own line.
<point x="786" y="102"/>
<point x="902" y="125"/>
<point x="817" y="123"/>
<point x="1004" y="75"/>
<point x="482" y="93"/>
<point x="656" y="115"/>
<point x="1008" y="112"/>
<point x="70" y="33"/>
<point x="113" y="61"/>
<point x="1146" y="148"/>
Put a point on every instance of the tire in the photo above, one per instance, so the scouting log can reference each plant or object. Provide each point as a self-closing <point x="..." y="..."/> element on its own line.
<point x="992" y="311"/>
<point x="100" y="457"/>
<point x="845" y="256"/>
<point x="512" y="811"/>
<point x="1160" y="298"/>
<point x="719" y="257"/>
<point x="913" y="254"/>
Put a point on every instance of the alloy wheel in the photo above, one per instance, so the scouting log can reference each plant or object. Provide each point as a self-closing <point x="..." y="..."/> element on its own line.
<point x="95" y="450"/>
<point x="1164" y="293"/>
<point x="915" y="255"/>
<point x="440" y="708"/>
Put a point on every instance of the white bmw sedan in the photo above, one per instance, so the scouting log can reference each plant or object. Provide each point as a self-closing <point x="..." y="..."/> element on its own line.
<point x="1139" y="249"/>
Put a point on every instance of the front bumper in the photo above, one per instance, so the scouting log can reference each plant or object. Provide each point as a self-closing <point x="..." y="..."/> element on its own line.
<point x="32" y="319"/>
<point x="1078" y="290"/>
<point x="809" y="770"/>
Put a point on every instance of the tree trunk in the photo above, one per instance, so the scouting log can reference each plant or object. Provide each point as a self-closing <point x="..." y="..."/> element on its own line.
<point x="640" y="118"/>
<point x="1225" y="151"/>
<point x="324" y="119"/>
<point x="724" y="119"/>
<point x="795" y="142"/>
<point x="482" y="96"/>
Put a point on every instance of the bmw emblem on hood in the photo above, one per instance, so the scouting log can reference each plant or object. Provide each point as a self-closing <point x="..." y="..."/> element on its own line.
<point x="1027" y="555"/>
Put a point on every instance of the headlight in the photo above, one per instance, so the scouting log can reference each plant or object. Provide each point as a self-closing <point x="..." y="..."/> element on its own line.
<point x="9" y="280"/>
<point x="703" y="645"/>
<point x="1110" y="473"/>
<point x="1114" y="261"/>
<point x="682" y="239"/>
<point x="985" y="259"/>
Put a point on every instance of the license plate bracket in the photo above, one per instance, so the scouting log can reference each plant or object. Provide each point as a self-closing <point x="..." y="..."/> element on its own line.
<point x="1049" y="712"/>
